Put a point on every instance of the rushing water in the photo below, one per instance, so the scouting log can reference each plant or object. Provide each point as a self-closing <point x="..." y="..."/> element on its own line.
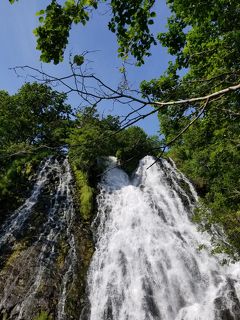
<point x="41" y="256"/>
<point x="147" y="265"/>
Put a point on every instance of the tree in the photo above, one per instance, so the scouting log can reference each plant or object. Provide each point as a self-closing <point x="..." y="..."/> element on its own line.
<point x="92" y="138"/>
<point x="34" y="123"/>
<point x="133" y="145"/>
<point x="38" y="115"/>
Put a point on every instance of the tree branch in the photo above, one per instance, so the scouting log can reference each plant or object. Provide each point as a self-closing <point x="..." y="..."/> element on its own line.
<point x="94" y="91"/>
<point x="181" y="132"/>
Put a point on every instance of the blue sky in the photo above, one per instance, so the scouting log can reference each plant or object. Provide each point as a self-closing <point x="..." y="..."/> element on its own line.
<point x="18" y="48"/>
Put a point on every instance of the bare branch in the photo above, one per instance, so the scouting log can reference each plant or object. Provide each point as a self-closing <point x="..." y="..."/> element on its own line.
<point x="93" y="91"/>
<point x="31" y="150"/>
<point x="113" y="94"/>
<point x="197" y="99"/>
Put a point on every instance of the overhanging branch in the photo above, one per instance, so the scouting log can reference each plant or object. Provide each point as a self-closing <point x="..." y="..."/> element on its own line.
<point x="93" y="91"/>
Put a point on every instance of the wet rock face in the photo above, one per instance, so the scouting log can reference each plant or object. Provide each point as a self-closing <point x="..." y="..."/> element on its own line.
<point x="227" y="303"/>
<point x="45" y="252"/>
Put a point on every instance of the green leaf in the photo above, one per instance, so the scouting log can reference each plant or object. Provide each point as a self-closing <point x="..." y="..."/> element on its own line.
<point x="39" y="13"/>
<point x="78" y="60"/>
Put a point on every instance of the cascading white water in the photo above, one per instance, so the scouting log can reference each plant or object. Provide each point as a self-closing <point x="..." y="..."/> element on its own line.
<point x="43" y="252"/>
<point x="147" y="265"/>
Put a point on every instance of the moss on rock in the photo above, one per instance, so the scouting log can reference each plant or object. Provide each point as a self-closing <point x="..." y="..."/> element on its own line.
<point x="17" y="250"/>
<point x="84" y="193"/>
<point x="43" y="315"/>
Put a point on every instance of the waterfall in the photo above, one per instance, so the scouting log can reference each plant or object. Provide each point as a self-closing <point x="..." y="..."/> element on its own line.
<point x="34" y="269"/>
<point x="147" y="265"/>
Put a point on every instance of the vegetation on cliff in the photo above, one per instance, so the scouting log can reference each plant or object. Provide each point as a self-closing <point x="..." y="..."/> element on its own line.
<point x="43" y="316"/>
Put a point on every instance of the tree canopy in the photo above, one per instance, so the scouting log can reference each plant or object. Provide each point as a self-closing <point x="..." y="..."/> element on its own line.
<point x="92" y="137"/>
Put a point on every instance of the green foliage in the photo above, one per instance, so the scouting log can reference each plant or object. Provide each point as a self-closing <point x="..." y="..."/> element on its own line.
<point x="55" y="24"/>
<point x="133" y="144"/>
<point x="130" y="20"/>
<point x="84" y="193"/>
<point x="37" y="114"/>
<point x="43" y="315"/>
<point x="33" y="124"/>
<point x="92" y="138"/>
<point x="78" y="59"/>
<point x="211" y="37"/>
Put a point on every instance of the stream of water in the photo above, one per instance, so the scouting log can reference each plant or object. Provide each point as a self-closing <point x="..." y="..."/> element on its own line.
<point x="40" y="257"/>
<point x="147" y="265"/>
